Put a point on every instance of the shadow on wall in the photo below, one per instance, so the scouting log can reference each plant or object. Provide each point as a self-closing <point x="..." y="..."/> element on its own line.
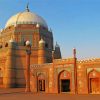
<point x="1" y="77"/>
<point x="20" y="71"/>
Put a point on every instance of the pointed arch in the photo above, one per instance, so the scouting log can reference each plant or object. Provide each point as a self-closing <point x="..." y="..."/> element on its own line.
<point x="94" y="81"/>
<point x="64" y="80"/>
<point x="41" y="79"/>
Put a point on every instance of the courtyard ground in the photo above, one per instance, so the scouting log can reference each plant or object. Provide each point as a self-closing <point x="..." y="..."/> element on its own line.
<point x="19" y="94"/>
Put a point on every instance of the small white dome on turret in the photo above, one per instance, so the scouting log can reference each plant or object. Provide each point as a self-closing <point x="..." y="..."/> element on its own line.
<point x="37" y="25"/>
<point x="11" y="40"/>
<point x="41" y="41"/>
<point x="28" y="43"/>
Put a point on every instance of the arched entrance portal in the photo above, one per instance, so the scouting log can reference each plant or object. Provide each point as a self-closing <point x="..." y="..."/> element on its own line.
<point x="64" y="82"/>
<point x="94" y="82"/>
<point x="1" y="77"/>
<point x="41" y="83"/>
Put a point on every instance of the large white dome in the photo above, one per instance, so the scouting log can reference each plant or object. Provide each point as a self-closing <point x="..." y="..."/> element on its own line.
<point x="26" y="17"/>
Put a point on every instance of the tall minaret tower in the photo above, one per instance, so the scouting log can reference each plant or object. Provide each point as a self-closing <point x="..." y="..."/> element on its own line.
<point x="41" y="52"/>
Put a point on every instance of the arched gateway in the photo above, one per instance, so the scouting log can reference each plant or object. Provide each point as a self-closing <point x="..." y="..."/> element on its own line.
<point x="41" y="83"/>
<point x="94" y="82"/>
<point x="64" y="82"/>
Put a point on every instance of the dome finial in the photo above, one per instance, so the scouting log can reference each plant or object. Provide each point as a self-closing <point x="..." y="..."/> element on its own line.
<point x="27" y="7"/>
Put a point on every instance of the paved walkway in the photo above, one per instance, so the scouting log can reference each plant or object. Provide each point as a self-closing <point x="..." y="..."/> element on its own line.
<point x="19" y="94"/>
<point x="31" y="96"/>
<point x="12" y="90"/>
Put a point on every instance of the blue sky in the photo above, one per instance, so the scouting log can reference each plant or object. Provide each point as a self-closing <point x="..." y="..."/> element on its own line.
<point x="75" y="23"/>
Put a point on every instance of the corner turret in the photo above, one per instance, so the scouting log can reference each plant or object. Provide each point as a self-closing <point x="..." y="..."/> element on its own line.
<point x="41" y="52"/>
<point x="10" y="72"/>
<point x="57" y="52"/>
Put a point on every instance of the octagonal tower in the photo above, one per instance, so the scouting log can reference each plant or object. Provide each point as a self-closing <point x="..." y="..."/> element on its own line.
<point x="20" y="28"/>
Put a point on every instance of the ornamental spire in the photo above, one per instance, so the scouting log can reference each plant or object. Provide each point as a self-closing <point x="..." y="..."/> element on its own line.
<point x="56" y="44"/>
<point x="27" y="7"/>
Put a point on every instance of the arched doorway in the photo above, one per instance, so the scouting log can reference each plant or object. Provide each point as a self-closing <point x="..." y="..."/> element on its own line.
<point x="41" y="83"/>
<point x="64" y="82"/>
<point x="94" y="82"/>
<point x="1" y="77"/>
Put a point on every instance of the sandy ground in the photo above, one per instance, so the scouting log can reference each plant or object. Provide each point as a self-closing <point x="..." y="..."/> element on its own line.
<point x="31" y="96"/>
<point x="19" y="94"/>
